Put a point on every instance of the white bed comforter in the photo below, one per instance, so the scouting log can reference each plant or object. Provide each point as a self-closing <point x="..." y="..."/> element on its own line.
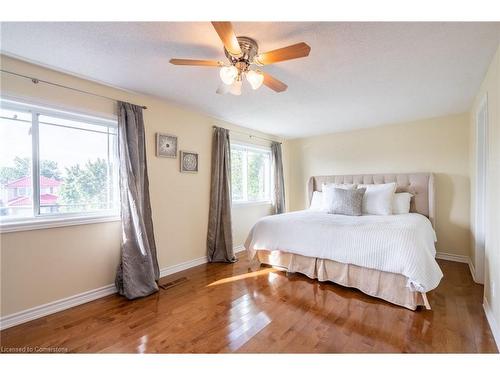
<point x="402" y="244"/>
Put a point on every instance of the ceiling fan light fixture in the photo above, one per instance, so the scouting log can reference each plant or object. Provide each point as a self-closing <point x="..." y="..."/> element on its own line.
<point x="236" y="87"/>
<point x="228" y="74"/>
<point x="242" y="52"/>
<point x="255" y="78"/>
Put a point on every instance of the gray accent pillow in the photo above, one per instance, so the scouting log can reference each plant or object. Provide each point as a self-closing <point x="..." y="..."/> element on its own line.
<point x="347" y="202"/>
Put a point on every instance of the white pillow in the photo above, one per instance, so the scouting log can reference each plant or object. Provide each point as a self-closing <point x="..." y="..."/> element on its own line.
<point x="316" y="201"/>
<point x="378" y="198"/>
<point x="327" y="190"/>
<point x="401" y="203"/>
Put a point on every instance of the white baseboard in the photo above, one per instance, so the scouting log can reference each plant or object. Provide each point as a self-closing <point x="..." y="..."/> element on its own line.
<point x="56" y="306"/>
<point x="182" y="266"/>
<point x="495" y="328"/>
<point x="453" y="257"/>
<point x="91" y="295"/>
<point x="460" y="259"/>
<point x="239" y="249"/>
<point x="472" y="270"/>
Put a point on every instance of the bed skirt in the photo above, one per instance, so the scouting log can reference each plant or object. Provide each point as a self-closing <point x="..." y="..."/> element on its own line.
<point x="390" y="287"/>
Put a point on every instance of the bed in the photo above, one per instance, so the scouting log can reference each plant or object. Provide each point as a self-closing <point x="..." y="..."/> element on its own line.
<point x="389" y="257"/>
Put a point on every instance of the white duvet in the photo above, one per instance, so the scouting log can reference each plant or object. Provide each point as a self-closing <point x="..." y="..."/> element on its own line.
<point x="402" y="244"/>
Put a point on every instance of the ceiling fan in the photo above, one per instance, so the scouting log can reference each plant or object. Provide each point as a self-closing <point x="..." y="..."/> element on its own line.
<point x="243" y="54"/>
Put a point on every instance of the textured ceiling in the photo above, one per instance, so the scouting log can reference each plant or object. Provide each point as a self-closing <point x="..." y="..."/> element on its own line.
<point x="357" y="75"/>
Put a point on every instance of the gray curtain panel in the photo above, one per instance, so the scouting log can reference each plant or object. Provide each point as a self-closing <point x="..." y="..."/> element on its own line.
<point x="138" y="270"/>
<point x="279" y="182"/>
<point x="219" y="236"/>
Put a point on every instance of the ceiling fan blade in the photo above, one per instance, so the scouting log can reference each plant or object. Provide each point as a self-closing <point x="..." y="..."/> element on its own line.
<point x="273" y="83"/>
<point x="226" y="34"/>
<point x="281" y="54"/>
<point x="196" y="62"/>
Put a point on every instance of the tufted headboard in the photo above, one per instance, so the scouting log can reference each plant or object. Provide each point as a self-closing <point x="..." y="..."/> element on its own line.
<point x="421" y="185"/>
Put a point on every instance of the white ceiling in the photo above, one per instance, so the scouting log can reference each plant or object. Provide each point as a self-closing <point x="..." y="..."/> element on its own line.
<point x="357" y="75"/>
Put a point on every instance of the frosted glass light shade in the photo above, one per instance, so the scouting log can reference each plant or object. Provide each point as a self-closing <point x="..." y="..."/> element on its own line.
<point x="255" y="79"/>
<point x="236" y="88"/>
<point x="228" y="74"/>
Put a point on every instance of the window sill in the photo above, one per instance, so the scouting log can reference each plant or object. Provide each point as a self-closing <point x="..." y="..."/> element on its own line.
<point x="45" y="223"/>
<point x="247" y="204"/>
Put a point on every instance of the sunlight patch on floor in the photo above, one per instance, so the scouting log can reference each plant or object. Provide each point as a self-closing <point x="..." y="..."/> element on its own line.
<point x="243" y="276"/>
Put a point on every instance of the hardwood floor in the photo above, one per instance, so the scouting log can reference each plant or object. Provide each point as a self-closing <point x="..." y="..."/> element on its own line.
<point x="228" y="308"/>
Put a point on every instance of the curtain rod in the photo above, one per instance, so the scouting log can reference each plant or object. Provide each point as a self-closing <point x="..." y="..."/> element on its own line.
<point x="249" y="135"/>
<point x="36" y="81"/>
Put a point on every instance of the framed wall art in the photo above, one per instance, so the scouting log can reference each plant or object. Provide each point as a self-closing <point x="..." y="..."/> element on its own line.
<point x="189" y="162"/>
<point x="166" y="145"/>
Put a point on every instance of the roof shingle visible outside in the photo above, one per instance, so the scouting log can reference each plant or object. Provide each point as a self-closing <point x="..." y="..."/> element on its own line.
<point x="26" y="182"/>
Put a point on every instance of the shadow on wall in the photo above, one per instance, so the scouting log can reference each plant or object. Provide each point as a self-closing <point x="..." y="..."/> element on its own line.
<point x="453" y="231"/>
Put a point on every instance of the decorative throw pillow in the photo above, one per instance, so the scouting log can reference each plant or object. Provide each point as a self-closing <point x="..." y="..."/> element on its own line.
<point x="378" y="198"/>
<point x="401" y="203"/>
<point x="327" y="190"/>
<point x="316" y="201"/>
<point x="347" y="202"/>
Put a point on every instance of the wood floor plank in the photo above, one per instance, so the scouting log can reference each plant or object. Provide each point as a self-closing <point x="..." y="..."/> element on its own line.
<point x="224" y="308"/>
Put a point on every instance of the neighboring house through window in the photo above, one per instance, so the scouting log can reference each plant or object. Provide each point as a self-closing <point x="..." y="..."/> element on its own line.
<point x="56" y="163"/>
<point x="19" y="194"/>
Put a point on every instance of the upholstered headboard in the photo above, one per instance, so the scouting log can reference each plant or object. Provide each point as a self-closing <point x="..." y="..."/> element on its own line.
<point x="421" y="185"/>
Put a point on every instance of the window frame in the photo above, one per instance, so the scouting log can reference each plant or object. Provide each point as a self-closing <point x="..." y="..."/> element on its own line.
<point x="53" y="220"/>
<point x="252" y="147"/>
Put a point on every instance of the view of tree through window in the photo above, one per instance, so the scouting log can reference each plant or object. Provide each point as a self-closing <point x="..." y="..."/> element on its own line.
<point x="237" y="156"/>
<point x="77" y="165"/>
<point x="250" y="174"/>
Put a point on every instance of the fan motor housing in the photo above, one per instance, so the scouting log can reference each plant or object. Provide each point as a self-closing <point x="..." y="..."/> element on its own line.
<point x="249" y="49"/>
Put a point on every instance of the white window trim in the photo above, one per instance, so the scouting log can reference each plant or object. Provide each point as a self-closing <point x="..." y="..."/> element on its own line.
<point x="246" y="203"/>
<point x="58" y="220"/>
<point x="250" y="146"/>
<point x="251" y="203"/>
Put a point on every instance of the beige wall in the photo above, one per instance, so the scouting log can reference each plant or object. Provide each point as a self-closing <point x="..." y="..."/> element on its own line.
<point x="244" y="217"/>
<point x="41" y="266"/>
<point x="438" y="145"/>
<point x="491" y="88"/>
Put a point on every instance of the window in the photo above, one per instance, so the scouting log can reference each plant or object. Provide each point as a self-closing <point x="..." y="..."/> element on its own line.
<point x="250" y="174"/>
<point x="72" y="159"/>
